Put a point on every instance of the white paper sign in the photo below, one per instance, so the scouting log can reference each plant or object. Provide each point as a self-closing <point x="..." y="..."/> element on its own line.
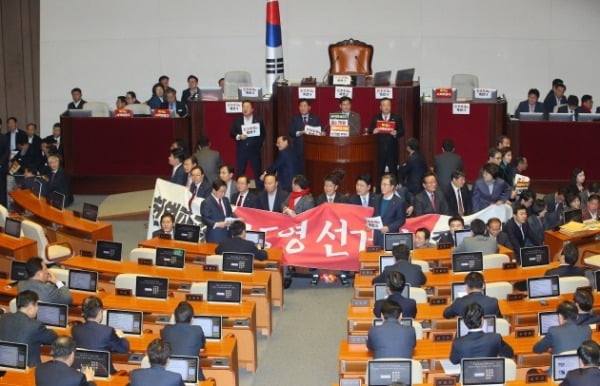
<point x="250" y="92"/>
<point x="461" y="108"/>
<point x="483" y="93"/>
<point x="251" y="130"/>
<point x="374" y="222"/>
<point x="233" y="107"/>
<point x="307" y="93"/>
<point x="312" y="130"/>
<point x="384" y="92"/>
<point x="343" y="92"/>
<point x="342" y="80"/>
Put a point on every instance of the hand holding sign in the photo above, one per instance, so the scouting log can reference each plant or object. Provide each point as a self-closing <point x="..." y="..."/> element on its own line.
<point x="251" y="130"/>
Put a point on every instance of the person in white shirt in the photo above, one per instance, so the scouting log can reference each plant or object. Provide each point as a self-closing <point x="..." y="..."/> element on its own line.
<point x="226" y="175"/>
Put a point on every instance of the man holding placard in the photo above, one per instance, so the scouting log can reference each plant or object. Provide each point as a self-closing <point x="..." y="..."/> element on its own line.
<point x="302" y="124"/>
<point x="345" y="123"/>
<point x="249" y="133"/>
<point x="389" y="130"/>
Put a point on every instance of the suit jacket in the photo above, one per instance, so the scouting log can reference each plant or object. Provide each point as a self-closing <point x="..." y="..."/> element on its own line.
<point x="187" y="94"/>
<point x="394" y="217"/>
<point x="515" y="237"/>
<point x="450" y="195"/>
<point x="422" y="203"/>
<point x="404" y="194"/>
<point x="155" y="102"/>
<point x="411" y="173"/>
<point x="185" y="339"/>
<point x="537" y="229"/>
<point x="479" y="243"/>
<point x="203" y="190"/>
<point x="445" y="164"/>
<point x="285" y="166"/>
<point x="180" y="107"/>
<point x="280" y="198"/>
<point x="373" y="199"/>
<point x="19" y="328"/>
<point x="47" y="292"/>
<point x="20" y="135"/>
<point x="582" y="377"/>
<point x="550" y="102"/>
<point x="478" y="344"/>
<point x="305" y="203"/>
<point x="586" y="214"/>
<point x="71" y="105"/>
<point x="238" y="244"/>
<point x="568" y="336"/>
<point x="354" y="123"/>
<point x="94" y="336"/>
<point x="524" y="108"/>
<point x="54" y="373"/>
<point x="209" y="160"/>
<point x="250" y="199"/>
<point x="212" y="213"/>
<point x="587" y="318"/>
<point x="413" y="274"/>
<point x="338" y="198"/>
<point x="392" y="340"/>
<point x="482" y="197"/>
<point x="297" y="125"/>
<point x="155" y="375"/>
<point x="180" y="176"/>
<point x="387" y="143"/>
<point x="565" y="270"/>
<point x="409" y="306"/>
<point x="232" y="190"/>
<point x="250" y="144"/>
<point x="565" y="109"/>
<point x="489" y="304"/>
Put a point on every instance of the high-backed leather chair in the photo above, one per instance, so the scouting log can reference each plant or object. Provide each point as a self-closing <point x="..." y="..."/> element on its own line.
<point x="350" y="57"/>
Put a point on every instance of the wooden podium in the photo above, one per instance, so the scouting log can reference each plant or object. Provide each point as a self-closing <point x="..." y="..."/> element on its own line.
<point x="354" y="155"/>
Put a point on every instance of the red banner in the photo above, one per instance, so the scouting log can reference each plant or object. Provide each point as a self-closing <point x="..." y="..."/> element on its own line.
<point x="328" y="236"/>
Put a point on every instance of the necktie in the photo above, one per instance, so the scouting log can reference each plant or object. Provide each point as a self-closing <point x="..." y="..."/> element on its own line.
<point x="221" y="205"/>
<point x="305" y="119"/>
<point x="522" y="233"/>
<point x="461" y="208"/>
<point x="240" y="200"/>
<point x="432" y="199"/>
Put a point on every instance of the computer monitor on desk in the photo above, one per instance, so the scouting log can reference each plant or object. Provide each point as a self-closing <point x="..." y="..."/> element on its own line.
<point x="12" y="227"/>
<point x="170" y="258"/>
<point x="385" y="261"/>
<point x="57" y="200"/>
<point x="224" y="292"/>
<point x="380" y="291"/>
<point x="460" y="289"/>
<point x="482" y="371"/>
<point x="573" y="215"/>
<point x="257" y="238"/>
<point x="98" y="360"/>
<point x="108" y="250"/>
<point x="18" y="271"/>
<point x="460" y="235"/>
<point x="187" y="232"/>
<point x="151" y="287"/>
<point x="186" y="366"/>
<point x="583" y="117"/>
<point x="80" y="280"/>
<point x="130" y="322"/>
<point x="238" y="262"/>
<point x="390" y="240"/>
<point x="467" y="262"/>
<point x="562" y="364"/>
<point x="52" y="314"/>
<point x="89" y="212"/>
<point x="535" y="256"/>
<point x="527" y="116"/>
<point x="13" y="356"/>
<point x="563" y="117"/>
<point x="384" y="372"/>
<point x="547" y="320"/>
<point x="543" y="287"/>
<point x="212" y="326"/>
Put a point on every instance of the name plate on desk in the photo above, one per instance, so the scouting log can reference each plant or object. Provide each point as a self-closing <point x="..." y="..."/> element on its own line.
<point x="461" y="108"/>
<point x="445" y="381"/>
<point x="193" y="297"/>
<point x="485" y="93"/>
<point x="124" y="292"/>
<point x="357" y="339"/>
<point x="515" y="297"/>
<point x="384" y="92"/>
<point x="509" y="265"/>
<point x="307" y="93"/>
<point x="86" y="253"/>
<point x="123" y="113"/>
<point x="233" y="107"/>
<point x="341" y="80"/>
<point x="144" y="261"/>
<point x="360" y="302"/>
<point x="161" y="113"/>
<point x="524" y="332"/>
<point x="442" y="336"/>
<point x="374" y="248"/>
<point x="444" y="93"/>
<point x="343" y="92"/>
<point x="250" y="92"/>
<point x="367" y="272"/>
<point x="439" y="270"/>
<point x="536" y="378"/>
<point x="437" y="300"/>
<point x="210" y="267"/>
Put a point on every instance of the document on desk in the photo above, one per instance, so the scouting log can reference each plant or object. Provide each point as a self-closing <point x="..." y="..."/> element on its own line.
<point x="449" y="367"/>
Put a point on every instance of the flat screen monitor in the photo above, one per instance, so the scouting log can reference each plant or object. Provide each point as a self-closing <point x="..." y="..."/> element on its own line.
<point x="57" y="200"/>
<point x="482" y="371"/>
<point x="12" y="227"/>
<point x="130" y="322"/>
<point x="408" y="322"/>
<point x="109" y="250"/>
<point x="151" y="287"/>
<point x="211" y="325"/>
<point x="488" y="325"/>
<point x="460" y="235"/>
<point x="405" y="76"/>
<point x="80" y="113"/>
<point x="382" y="78"/>
<point x="543" y="287"/>
<point x="89" y="212"/>
<point x="186" y="366"/>
<point x="37" y="188"/>
<point x="588" y="117"/>
<point x="527" y="116"/>
<point x="224" y="291"/>
<point x="52" y="314"/>
<point x="460" y="289"/>
<point x="385" y="261"/>
<point x="467" y="262"/>
<point x="187" y="232"/>
<point x="18" y="271"/>
<point x="380" y="291"/>
<point x="13" y="356"/>
<point x="535" y="256"/>
<point x="385" y="372"/>
<point x="560" y="117"/>
<point x="547" y="320"/>
<point x="170" y="257"/>
<point x="98" y="360"/>
<point x="390" y="240"/>
<point x="562" y="364"/>
<point x="257" y="238"/>
<point x="238" y="262"/>
<point x="573" y="215"/>
<point x="80" y="280"/>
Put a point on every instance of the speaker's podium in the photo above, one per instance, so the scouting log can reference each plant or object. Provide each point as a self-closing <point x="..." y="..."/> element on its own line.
<point x="354" y="155"/>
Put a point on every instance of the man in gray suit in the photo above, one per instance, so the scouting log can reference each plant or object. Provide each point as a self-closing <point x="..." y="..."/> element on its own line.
<point x="567" y="335"/>
<point x="43" y="282"/>
<point x="208" y="159"/>
<point x="300" y="200"/>
<point x="479" y="242"/>
<point x="391" y="339"/>
<point x="447" y="162"/>
<point x="353" y="118"/>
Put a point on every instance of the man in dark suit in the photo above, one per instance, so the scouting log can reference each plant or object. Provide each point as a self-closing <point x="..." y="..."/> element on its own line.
<point x="387" y="140"/>
<point x="178" y="174"/>
<point x="494" y="229"/>
<point x="588" y="372"/>
<point x="531" y="105"/>
<point x="518" y="232"/>
<point x="208" y="159"/>
<point x="215" y="210"/>
<point x="567" y="335"/>
<point x="43" y="282"/>
<point x="395" y="283"/>
<point x="158" y="352"/>
<point x="244" y="197"/>
<point x="447" y="162"/>
<point x="568" y="258"/>
<point x="475" y="285"/>
<point x="479" y="242"/>
<point x="157" y="98"/>
<point x="34" y="142"/>
<point x="364" y="197"/>
<point x="590" y="210"/>
<point x="284" y="165"/>
<point x="330" y="193"/>
<point x="411" y="173"/>
<point x="297" y="132"/>
<point x="4" y="156"/>
<point x="584" y="300"/>
<point x="556" y="97"/>
<point x="458" y="195"/>
<point x="555" y="206"/>
<point x="272" y="198"/>
<point x="238" y="243"/>
<point x="93" y="335"/>
<point x="23" y="327"/>
<point x="412" y="272"/>
<point x="54" y="138"/>
<point x="176" y="107"/>
<point x="58" y="371"/>
<point x="167" y="222"/>
<point x="571" y="107"/>
<point x="477" y="343"/>
<point x="391" y="209"/>
<point x="226" y="175"/>
<point x="430" y="200"/>
<point x="353" y="118"/>
<point x="192" y="92"/>
<point x="391" y="339"/>
<point x="13" y="134"/>
<point x="78" y="102"/>
<point x="248" y="131"/>
<point x="200" y="187"/>
<point x="58" y="180"/>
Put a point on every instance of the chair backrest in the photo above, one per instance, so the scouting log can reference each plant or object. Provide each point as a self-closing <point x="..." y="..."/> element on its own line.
<point x="502" y="327"/>
<point x="139" y="109"/>
<point x="12" y="305"/>
<point x="144" y="253"/>
<point x="417" y="369"/>
<point x="3" y="215"/>
<point x="418" y="329"/>
<point x="419" y="295"/>
<point x="569" y="285"/>
<point x="350" y="57"/>
<point x="35" y="232"/>
<point x="233" y="81"/>
<point x="215" y="260"/>
<point x="126" y="281"/>
<point x="494" y="260"/>
<point x="61" y="274"/>
<point x="464" y="85"/>
<point x="510" y="370"/>
<point x="199" y="288"/>
<point x="555" y="108"/>
<point x="499" y="289"/>
<point x="421" y="263"/>
<point x="99" y="109"/>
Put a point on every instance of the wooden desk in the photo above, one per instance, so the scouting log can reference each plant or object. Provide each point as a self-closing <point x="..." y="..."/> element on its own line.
<point x="556" y="240"/>
<point x="20" y="248"/>
<point x="8" y="290"/>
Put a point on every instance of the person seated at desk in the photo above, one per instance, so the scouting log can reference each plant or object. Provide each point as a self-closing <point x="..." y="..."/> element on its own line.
<point x="178" y="173"/>
<point x="121" y="103"/>
<point x="58" y="371"/>
<point x="238" y="243"/>
<point x="568" y="258"/>
<point x="430" y="200"/>
<point x="573" y="201"/>
<point x="412" y="171"/>
<point x="537" y="222"/>
<point x="458" y="195"/>
<point x="567" y="335"/>
<point x="363" y="196"/>
<point x="244" y="197"/>
<point x="556" y="97"/>
<point x="353" y="118"/>
<point x="479" y="242"/>
<point x="93" y="335"/>
<point x="23" y="327"/>
<point x="395" y="283"/>
<point x="131" y="98"/>
<point x="587" y="103"/>
<point x="284" y="165"/>
<point x="44" y="283"/>
<point x="193" y="91"/>
<point x="531" y="105"/>
<point x="184" y="338"/>
<point x="518" y="231"/>
<point x="571" y="107"/>
<point x="272" y="198"/>
<point x="23" y="158"/>
<point x="176" y="107"/>
<point x="494" y="229"/>
<point x="78" y="101"/>
<point x="455" y="223"/>
<point x="158" y="352"/>
<point x="588" y="372"/>
<point x="584" y="300"/>
<point x="330" y="194"/>
<point x="413" y="273"/>
<point x="58" y="180"/>
<point x="590" y="212"/>
<point x="215" y="209"/>
<point x="157" y="98"/>
<point x="422" y="239"/>
<point x="391" y="339"/>
<point x="477" y="343"/>
<point x="226" y="175"/>
<point x="387" y="140"/>
<point x="555" y="205"/>
<point x="475" y="285"/>
<point x="199" y="187"/>
<point x="489" y="189"/>
<point x="167" y="222"/>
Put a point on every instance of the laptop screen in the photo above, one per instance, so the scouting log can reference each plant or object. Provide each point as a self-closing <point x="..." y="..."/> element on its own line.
<point x="460" y="235"/>
<point x="483" y="371"/>
<point x="169" y="257"/>
<point x="534" y="256"/>
<point x="546" y="320"/>
<point x="108" y="250"/>
<point x="573" y="215"/>
<point x="488" y="325"/>
<point x="98" y="360"/>
<point x="186" y="366"/>
<point x="238" y="262"/>
<point x="12" y="227"/>
<point x="467" y="262"/>
<point x="57" y="200"/>
<point x="390" y="240"/>
<point x="187" y="232"/>
<point x="224" y="291"/>
<point x="18" y="271"/>
<point x="83" y="280"/>
<point x="89" y="212"/>
<point x="384" y="372"/>
<point x="130" y="322"/>
<point x="52" y="314"/>
<point x="151" y="287"/>
<point x="384" y="261"/>
<point x="13" y="356"/>
<point x="256" y="237"/>
<point x="543" y="287"/>
<point x="380" y="291"/>
<point x="562" y="364"/>
<point x="211" y="325"/>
